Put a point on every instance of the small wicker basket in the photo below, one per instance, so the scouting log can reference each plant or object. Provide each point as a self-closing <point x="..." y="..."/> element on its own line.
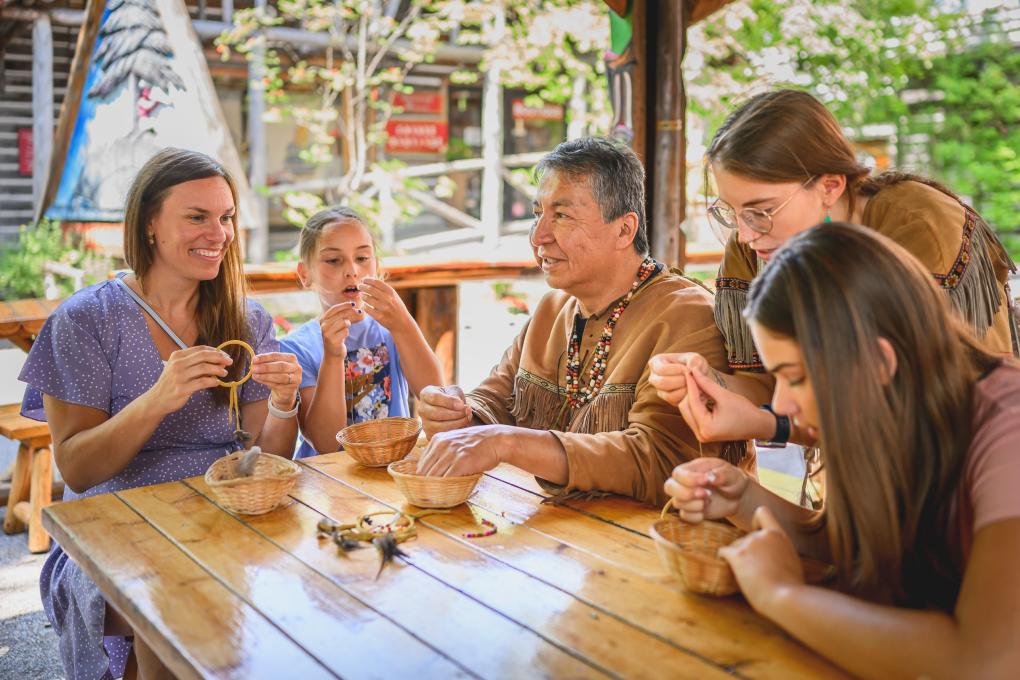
<point x="377" y="443"/>
<point x="431" y="492"/>
<point x="263" y="491"/>
<point x="690" y="552"/>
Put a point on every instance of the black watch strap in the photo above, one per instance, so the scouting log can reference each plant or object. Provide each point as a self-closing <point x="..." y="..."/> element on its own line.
<point x="782" y="433"/>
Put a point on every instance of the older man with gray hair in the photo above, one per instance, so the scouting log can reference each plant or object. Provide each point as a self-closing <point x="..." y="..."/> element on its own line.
<point x="570" y="400"/>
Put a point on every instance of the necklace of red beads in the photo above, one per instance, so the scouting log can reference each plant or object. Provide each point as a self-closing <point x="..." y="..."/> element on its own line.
<point x="579" y="394"/>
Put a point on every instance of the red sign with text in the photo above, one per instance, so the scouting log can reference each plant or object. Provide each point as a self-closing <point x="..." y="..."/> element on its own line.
<point x="416" y="136"/>
<point x="419" y="102"/>
<point x="25" y="152"/>
<point x="522" y="111"/>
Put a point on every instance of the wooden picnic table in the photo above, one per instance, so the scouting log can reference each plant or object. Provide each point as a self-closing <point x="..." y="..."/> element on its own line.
<point x="571" y="590"/>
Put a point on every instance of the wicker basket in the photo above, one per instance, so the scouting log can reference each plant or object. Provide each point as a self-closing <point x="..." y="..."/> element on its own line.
<point x="431" y="492"/>
<point x="263" y="491"/>
<point x="377" y="443"/>
<point x="689" y="552"/>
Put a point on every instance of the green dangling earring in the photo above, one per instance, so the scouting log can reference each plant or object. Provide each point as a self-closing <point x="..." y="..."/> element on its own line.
<point x="827" y="218"/>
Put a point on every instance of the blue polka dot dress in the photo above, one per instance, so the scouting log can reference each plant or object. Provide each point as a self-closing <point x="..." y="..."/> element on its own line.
<point x="96" y="350"/>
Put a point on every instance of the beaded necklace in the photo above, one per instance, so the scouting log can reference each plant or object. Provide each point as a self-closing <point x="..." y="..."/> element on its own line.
<point x="577" y="394"/>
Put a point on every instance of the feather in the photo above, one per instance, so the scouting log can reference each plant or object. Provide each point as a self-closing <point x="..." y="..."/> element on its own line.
<point x="388" y="549"/>
<point x="245" y="465"/>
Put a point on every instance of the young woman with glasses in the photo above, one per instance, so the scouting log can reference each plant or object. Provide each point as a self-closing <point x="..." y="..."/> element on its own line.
<point x="782" y="164"/>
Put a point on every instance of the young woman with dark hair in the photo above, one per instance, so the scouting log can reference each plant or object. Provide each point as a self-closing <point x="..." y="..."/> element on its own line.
<point x="919" y="430"/>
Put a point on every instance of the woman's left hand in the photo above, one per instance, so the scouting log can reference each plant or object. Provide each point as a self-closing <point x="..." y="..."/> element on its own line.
<point x="716" y="414"/>
<point x="281" y="373"/>
<point x="764" y="561"/>
<point x="383" y="304"/>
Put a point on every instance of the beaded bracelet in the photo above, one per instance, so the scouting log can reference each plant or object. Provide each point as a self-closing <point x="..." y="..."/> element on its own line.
<point x="482" y="534"/>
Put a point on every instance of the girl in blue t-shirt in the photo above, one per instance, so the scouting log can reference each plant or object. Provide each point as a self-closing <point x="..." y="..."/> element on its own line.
<point x="355" y="355"/>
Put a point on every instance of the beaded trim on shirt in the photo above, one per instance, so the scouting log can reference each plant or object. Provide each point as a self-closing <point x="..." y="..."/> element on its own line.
<point x="731" y="282"/>
<point x="579" y="394"/>
<point x="952" y="278"/>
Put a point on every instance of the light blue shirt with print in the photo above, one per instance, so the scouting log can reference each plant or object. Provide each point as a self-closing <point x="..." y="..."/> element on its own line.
<point x="372" y="371"/>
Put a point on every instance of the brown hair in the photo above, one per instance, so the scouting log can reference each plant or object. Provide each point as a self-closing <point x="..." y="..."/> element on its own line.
<point x="789" y="136"/>
<point x="893" y="452"/>
<point x="222" y="304"/>
<point x="311" y="233"/>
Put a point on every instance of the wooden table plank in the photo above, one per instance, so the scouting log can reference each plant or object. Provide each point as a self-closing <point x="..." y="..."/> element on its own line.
<point x="480" y="639"/>
<point x="617" y="510"/>
<point x="593" y="560"/>
<point x="182" y="611"/>
<point x="313" y="611"/>
<point x="612" y="643"/>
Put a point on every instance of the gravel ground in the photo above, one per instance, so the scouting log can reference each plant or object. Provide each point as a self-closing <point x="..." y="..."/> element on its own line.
<point x="28" y="646"/>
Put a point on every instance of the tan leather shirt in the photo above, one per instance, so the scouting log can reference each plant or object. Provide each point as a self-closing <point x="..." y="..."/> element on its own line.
<point x="626" y="440"/>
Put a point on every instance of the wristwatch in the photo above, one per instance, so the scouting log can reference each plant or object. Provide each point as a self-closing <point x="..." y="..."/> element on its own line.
<point x="280" y="413"/>
<point x="782" y="434"/>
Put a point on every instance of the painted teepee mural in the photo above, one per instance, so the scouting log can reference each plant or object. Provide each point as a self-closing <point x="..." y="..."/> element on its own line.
<point x="147" y="87"/>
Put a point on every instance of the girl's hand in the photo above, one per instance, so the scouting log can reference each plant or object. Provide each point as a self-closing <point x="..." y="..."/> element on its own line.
<point x="764" y="561"/>
<point x="669" y="374"/>
<point x="383" y="304"/>
<point x="187" y="371"/>
<point x="335" y="323"/>
<point x="715" y="414"/>
<point x="281" y="373"/>
<point x="706" y="488"/>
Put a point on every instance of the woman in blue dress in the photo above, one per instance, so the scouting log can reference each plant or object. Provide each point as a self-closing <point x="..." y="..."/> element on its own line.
<point x="126" y="374"/>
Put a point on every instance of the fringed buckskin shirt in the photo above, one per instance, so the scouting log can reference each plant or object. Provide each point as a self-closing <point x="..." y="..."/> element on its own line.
<point x="626" y="440"/>
<point x="952" y="241"/>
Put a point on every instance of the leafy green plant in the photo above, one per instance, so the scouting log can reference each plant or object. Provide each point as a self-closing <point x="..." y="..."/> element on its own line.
<point x="23" y="263"/>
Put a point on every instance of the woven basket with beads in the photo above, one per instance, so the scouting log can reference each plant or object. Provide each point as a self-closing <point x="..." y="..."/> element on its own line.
<point x="690" y="552"/>
<point x="431" y="492"/>
<point x="377" y="443"/>
<point x="260" y="493"/>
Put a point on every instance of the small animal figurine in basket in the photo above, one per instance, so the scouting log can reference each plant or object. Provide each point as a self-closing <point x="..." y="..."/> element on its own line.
<point x="251" y="482"/>
<point x="377" y="443"/>
<point x="431" y="492"/>
<point x="690" y="552"/>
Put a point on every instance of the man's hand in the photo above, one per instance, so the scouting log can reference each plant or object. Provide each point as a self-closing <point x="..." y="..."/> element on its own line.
<point x="443" y="409"/>
<point x="462" y="452"/>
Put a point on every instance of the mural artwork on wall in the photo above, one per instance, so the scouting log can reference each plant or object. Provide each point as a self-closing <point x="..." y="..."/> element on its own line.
<point x="147" y="87"/>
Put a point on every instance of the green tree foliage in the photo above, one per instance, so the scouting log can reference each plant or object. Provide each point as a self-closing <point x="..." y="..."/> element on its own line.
<point x="976" y="146"/>
<point x="867" y="60"/>
<point x="22" y="263"/>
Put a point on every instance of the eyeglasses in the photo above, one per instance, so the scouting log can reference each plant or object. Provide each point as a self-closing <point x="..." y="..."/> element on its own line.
<point x="756" y="219"/>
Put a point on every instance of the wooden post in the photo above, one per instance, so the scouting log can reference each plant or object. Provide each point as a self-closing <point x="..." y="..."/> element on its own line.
<point x="21" y="482"/>
<point x="669" y="155"/>
<point x="69" y="109"/>
<point x="436" y="314"/>
<point x="578" y="109"/>
<point x="258" y="239"/>
<point x="492" y="146"/>
<point x="42" y="105"/>
<point x="640" y="81"/>
<point x="41" y="497"/>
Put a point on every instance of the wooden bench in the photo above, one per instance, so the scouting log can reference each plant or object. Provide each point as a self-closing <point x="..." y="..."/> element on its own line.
<point x="32" y="482"/>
